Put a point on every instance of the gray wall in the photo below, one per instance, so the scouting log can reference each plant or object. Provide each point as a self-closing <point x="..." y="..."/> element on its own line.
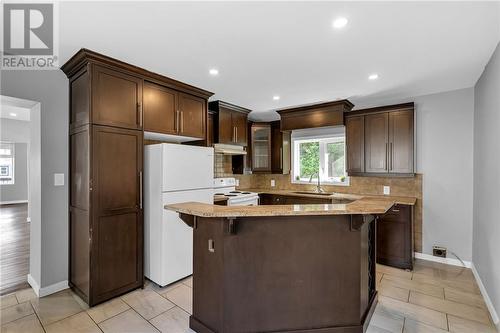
<point x="50" y="88"/>
<point x="444" y="142"/>
<point x="19" y="190"/>
<point x="486" y="238"/>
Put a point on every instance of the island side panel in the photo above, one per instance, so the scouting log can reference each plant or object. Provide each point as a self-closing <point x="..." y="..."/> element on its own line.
<point x="208" y="275"/>
<point x="289" y="273"/>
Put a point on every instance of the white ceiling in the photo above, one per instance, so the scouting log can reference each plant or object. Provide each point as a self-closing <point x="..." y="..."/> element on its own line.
<point x="290" y="49"/>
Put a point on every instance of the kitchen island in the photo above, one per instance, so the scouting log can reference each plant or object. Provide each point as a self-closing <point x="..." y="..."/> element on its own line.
<point x="282" y="268"/>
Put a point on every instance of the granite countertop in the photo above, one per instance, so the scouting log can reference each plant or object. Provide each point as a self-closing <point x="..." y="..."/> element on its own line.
<point x="398" y="199"/>
<point x="364" y="205"/>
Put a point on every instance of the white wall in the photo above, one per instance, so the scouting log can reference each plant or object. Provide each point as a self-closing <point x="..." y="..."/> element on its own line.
<point x="14" y="130"/>
<point x="486" y="238"/>
<point x="50" y="88"/>
<point x="18" y="191"/>
<point x="444" y="142"/>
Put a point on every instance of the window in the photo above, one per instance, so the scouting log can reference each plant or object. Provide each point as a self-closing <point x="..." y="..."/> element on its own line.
<point x="319" y="152"/>
<point x="6" y="163"/>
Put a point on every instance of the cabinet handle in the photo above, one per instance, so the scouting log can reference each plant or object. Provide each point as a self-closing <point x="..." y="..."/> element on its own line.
<point x="387" y="156"/>
<point x="140" y="189"/>
<point x="281" y="158"/>
<point x="182" y="121"/>
<point x="177" y="118"/>
<point x="139" y="110"/>
<point x="234" y="134"/>
<point x="390" y="155"/>
<point x="395" y="210"/>
<point x="236" y="131"/>
<point x="211" y="245"/>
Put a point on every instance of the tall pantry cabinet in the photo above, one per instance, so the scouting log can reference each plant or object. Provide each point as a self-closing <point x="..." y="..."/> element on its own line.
<point x="105" y="172"/>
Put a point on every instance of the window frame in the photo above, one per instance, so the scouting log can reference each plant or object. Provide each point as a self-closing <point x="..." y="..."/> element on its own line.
<point x="11" y="156"/>
<point x="323" y="139"/>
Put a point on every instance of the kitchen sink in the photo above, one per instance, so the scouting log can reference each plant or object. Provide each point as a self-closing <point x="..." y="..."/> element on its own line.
<point x="314" y="193"/>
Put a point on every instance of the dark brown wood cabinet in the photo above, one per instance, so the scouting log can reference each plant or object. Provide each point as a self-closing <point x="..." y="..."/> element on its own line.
<point x="395" y="245"/>
<point x="401" y="142"/>
<point x="376" y="143"/>
<point x="380" y="141"/>
<point x="261" y="147"/>
<point x="210" y="128"/>
<point x="355" y="140"/>
<point x="116" y="98"/>
<point x="193" y="115"/>
<point x="168" y="111"/>
<point x="276" y="147"/>
<point x="230" y="123"/>
<point x="107" y="100"/>
<point x="160" y="109"/>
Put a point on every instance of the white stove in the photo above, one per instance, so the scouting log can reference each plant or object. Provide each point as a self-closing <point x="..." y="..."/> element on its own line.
<point x="227" y="187"/>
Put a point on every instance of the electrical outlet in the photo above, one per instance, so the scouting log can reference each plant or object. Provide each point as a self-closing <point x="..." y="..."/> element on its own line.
<point x="273" y="183"/>
<point x="439" y="251"/>
<point x="237" y="182"/>
<point x="387" y="190"/>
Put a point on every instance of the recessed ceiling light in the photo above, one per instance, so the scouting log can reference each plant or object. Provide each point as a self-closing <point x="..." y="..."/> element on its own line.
<point x="276" y="98"/>
<point x="373" y="76"/>
<point x="12" y="114"/>
<point x="214" y="71"/>
<point x="340" y="22"/>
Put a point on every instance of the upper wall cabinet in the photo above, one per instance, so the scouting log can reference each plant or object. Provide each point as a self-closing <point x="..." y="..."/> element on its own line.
<point x="160" y="108"/>
<point x="230" y="123"/>
<point x="126" y="96"/>
<point x="380" y="141"/>
<point x="317" y="115"/>
<point x="116" y="98"/>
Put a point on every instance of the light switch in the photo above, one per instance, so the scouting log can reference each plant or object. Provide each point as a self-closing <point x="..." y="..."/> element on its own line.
<point x="273" y="183"/>
<point x="59" y="179"/>
<point x="387" y="190"/>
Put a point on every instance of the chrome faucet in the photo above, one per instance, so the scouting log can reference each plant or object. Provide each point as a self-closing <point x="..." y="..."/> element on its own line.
<point x="319" y="189"/>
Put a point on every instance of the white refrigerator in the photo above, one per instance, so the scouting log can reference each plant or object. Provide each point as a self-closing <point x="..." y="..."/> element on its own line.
<point x="173" y="173"/>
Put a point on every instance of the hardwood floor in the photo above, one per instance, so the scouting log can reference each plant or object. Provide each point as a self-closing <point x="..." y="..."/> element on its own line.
<point x="14" y="247"/>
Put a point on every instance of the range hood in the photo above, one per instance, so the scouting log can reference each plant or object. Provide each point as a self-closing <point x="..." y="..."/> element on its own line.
<point x="224" y="149"/>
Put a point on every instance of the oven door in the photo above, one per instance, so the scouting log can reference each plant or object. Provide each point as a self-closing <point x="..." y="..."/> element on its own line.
<point x="247" y="201"/>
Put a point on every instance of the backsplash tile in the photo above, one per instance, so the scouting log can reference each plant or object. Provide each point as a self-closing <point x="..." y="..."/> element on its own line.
<point x="400" y="186"/>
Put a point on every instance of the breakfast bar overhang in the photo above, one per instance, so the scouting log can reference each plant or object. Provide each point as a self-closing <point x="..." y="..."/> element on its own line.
<point x="300" y="268"/>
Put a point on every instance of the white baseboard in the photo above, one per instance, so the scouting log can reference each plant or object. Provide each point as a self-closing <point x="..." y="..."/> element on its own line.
<point x="13" y="202"/>
<point x="45" y="291"/>
<point x="34" y="285"/>
<point x="53" y="288"/>
<point x="487" y="300"/>
<point x="448" y="261"/>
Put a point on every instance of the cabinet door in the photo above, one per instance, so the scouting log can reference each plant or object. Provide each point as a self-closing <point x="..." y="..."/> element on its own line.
<point x="376" y="143"/>
<point x="117" y="225"/>
<point x="210" y="129"/>
<point x="239" y="121"/>
<point x="116" y="98"/>
<point x="261" y="148"/>
<point x="225" y="126"/>
<point x="193" y="115"/>
<point x="394" y="237"/>
<point x="355" y="144"/>
<point x="401" y="142"/>
<point x="276" y="148"/>
<point x="160" y="108"/>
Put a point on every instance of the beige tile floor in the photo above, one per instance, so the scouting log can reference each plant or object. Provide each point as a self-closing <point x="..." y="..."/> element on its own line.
<point x="432" y="298"/>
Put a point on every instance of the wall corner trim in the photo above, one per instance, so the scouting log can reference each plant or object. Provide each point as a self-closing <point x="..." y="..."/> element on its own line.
<point x="448" y="261"/>
<point x="32" y="282"/>
<point x="489" y="304"/>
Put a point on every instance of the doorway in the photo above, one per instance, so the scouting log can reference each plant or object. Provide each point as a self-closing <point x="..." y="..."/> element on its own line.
<point x="20" y="199"/>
